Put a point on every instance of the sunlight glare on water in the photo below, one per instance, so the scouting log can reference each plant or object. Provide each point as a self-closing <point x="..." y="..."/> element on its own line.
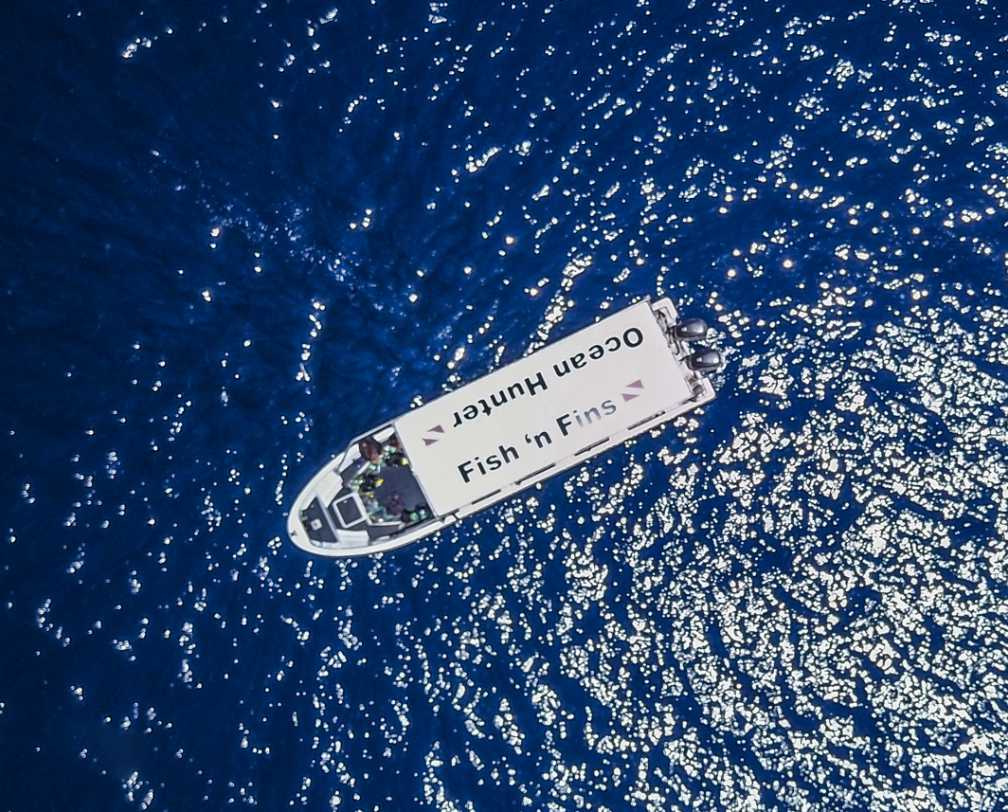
<point x="240" y="237"/>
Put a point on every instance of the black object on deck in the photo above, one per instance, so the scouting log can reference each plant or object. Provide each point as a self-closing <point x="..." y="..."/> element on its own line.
<point x="399" y="490"/>
<point x="316" y="524"/>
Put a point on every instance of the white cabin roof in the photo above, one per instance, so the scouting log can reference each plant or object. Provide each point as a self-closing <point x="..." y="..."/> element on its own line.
<point x="543" y="408"/>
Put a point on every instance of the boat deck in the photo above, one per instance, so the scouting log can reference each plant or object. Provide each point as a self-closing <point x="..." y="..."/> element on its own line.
<point x="399" y="490"/>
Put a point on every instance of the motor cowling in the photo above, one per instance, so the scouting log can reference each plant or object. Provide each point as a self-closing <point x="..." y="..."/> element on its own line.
<point x="704" y="361"/>
<point x="690" y="329"/>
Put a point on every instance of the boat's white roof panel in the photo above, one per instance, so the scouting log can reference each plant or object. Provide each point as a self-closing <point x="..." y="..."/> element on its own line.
<point x="499" y="429"/>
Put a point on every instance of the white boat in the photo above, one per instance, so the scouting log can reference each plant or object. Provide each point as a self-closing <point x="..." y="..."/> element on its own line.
<point x="489" y="439"/>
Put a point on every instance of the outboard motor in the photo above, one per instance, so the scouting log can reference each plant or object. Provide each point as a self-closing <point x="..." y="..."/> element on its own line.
<point x="704" y="361"/>
<point x="690" y="329"/>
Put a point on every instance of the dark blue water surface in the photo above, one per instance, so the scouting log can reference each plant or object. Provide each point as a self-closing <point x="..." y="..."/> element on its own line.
<point x="234" y="237"/>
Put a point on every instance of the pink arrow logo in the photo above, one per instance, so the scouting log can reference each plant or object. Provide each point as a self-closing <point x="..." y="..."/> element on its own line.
<point x="633" y="385"/>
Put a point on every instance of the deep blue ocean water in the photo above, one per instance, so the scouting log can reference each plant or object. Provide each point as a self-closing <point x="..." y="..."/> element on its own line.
<point x="235" y="236"/>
